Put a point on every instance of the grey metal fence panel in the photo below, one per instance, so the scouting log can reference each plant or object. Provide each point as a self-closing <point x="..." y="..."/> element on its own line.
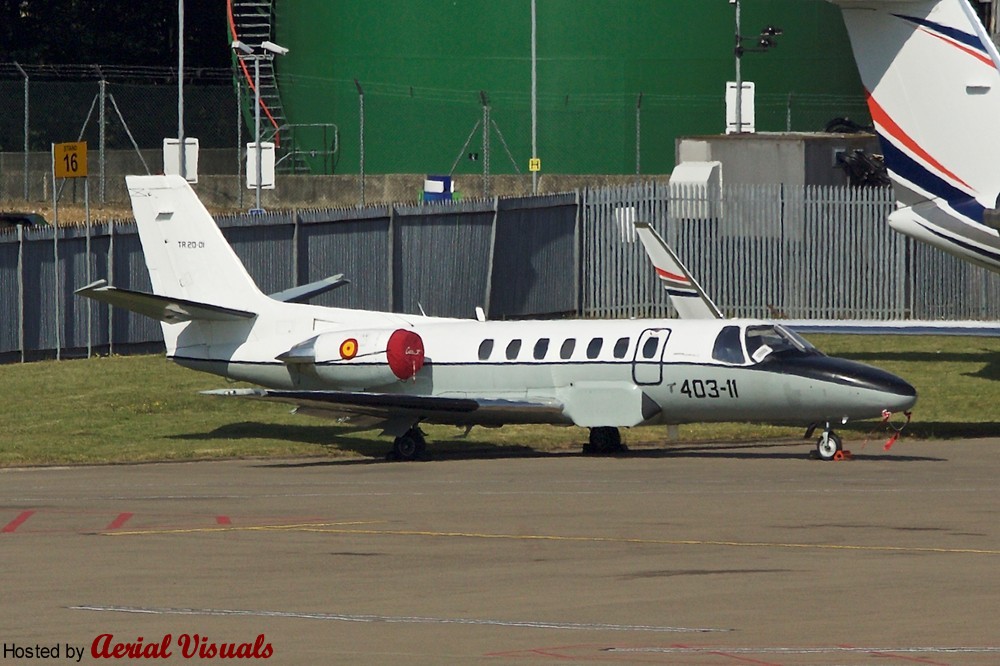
<point x="359" y="248"/>
<point x="617" y="278"/>
<point x="38" y="278"/>
<point x="129" y="272"/>
<point x="766" y="251"/>
<point x="534" y="257"/>
<point x="99" y="313"/>
<point x="441" y="259"/>
<point x="265" y="246"/>
<point x="73" y="261"/>
<point x="945" y="287"/>
<point x="10" y="287"/>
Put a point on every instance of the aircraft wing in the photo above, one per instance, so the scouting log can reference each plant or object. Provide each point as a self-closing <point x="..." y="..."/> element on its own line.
<point x="162" y="308"/>
<point x="966" y="328"/>
<point x="376" y="409"/>
<point x="686" y="295"/>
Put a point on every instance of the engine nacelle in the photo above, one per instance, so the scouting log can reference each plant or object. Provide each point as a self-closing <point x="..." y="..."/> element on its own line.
<point x="361" y="358"/>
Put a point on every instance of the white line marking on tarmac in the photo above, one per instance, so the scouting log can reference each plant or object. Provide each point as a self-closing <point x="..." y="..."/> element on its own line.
<point x="811" y="650"/>
<point x="392" y="619"/>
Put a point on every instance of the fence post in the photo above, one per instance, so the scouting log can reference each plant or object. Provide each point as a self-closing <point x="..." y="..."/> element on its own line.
<point x="638" y="134"/>
<point x="295" y="248"/>
<point x="27" y="128"/>
<point x="491" y="258"/>
<point x="239" y="137"/>
<point x="55" y="251"/>
<point x="20" y="289"/>
<point x="361" y="130"/>
<point x="486" y="142"/>
<point x="102" y="140"/>
<point x="391" y="258"/>
<point x="111" y="280"/>
<point x="577" y="258"/>
<point x="86" y="194"/>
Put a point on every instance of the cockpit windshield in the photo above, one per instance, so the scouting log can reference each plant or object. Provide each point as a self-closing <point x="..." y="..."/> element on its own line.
<point x="762" y="341"/>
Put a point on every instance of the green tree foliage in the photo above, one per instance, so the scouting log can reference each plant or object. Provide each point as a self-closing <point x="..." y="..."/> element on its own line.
<point x="112" y="32"/>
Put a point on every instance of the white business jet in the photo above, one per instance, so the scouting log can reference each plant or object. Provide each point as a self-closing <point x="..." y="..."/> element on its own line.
<point x="395" y="371"/>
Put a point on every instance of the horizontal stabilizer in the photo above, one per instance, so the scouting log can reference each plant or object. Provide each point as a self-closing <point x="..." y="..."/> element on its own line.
<point x="686" y="295"/>
<point x="305" y="292"/>
<point x="162" y="308"/>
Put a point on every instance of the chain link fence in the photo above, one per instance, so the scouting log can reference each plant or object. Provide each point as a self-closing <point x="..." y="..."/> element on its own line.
<point x="122" y="113"/>
<point x="369" y="130"/>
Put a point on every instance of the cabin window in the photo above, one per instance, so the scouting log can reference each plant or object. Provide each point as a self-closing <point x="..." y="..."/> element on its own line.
<point x="728" y="346"/>
<point x="594" y="348"/>
<point x="541" y="348"/>
<point x="566" y="351"/>
<point x="513" y="349"/>
<point x="485" y="349"/>
<point x="650" y="346"/>
<point x="621" y="347"/>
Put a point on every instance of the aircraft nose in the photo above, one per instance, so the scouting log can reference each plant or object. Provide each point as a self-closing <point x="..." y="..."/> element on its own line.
<point x="893" y="393"/>
<point x="899" y="394"/>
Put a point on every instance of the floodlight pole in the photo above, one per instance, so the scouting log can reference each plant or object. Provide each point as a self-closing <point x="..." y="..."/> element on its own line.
<point x="245" y="52"/>
<point x="180" y="88"/>
<point x="739" y="74"/>
<point x="257" y="146"/>
<point x="534" y="94"/>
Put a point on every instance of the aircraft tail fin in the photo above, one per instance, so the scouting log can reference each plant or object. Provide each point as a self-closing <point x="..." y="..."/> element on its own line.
<point x="686" y="295"/>
<point x="187" y="256"/>
<point x="932" y="77"/>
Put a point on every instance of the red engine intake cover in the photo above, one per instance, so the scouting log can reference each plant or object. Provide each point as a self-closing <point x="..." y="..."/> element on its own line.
<point x="405" y="352"/>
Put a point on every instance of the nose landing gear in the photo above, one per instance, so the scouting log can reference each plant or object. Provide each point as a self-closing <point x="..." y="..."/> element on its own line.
<point x="829" y="445"/>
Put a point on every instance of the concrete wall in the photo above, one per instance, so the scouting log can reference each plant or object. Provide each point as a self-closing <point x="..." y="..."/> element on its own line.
<point x="765" y="158"/>
<point x="221" y="189"/>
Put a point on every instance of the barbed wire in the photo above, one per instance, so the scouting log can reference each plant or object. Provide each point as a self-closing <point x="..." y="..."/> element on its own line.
<point x="114" y="73"/>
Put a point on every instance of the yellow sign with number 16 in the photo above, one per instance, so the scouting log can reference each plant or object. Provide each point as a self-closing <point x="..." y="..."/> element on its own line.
<point x="70" y="159"/>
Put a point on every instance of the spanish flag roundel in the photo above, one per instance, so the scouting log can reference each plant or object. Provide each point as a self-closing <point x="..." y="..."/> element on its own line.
<point x="348" y="349"/>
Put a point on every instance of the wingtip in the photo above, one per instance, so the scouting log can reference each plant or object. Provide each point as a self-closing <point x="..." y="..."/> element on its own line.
<point x="93" y="286"/>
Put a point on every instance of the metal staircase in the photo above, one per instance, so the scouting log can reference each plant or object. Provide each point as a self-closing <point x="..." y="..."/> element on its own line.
<point x="250" y="21"/>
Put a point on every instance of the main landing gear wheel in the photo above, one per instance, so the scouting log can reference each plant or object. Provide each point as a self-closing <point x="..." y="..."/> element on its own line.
<point x="605" y="440"/>
<point x="828" y="445"/>
<point x="409" y="446"/>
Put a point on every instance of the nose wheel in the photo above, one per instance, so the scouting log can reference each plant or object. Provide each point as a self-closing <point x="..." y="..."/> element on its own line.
<point x="828" y="445"/>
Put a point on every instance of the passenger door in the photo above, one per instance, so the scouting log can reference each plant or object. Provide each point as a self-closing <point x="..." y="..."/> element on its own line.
<point x="647" y="363"/>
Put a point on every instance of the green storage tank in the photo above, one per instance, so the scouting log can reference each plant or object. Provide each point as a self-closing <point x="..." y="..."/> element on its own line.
<point x="426" y="66"/>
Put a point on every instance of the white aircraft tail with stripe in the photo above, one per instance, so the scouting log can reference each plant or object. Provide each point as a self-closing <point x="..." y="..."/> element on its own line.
<point x="686" y="295"/>
<point x="932" y="77"/>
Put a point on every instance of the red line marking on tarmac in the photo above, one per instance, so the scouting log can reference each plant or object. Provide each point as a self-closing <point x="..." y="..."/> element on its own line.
<point x="119" y="521"/>
<point x="17" y="522"/>
<point x="743" y="659"/>
<point x="892" y="655"/>
<point x="223" y="520"/>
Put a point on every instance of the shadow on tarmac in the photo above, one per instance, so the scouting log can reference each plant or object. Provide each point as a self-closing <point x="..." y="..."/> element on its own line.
<point x="375" y="450"/>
